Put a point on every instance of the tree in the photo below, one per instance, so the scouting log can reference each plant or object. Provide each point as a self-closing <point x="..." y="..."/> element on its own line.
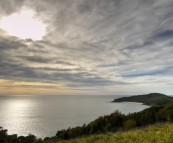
<point x="3" y="135"/>
<point x="130" y="123"/>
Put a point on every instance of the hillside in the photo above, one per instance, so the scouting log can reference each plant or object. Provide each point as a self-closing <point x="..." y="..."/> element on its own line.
<point x="152" y="99"/>
<point x="158" y="133"/>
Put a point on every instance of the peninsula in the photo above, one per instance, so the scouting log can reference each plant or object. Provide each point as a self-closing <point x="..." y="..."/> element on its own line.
<point x="152" y="99"/>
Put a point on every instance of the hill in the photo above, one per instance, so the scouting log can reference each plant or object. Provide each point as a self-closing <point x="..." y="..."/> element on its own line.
<point x="158" y="133"/>
<point x="152" y="99"/>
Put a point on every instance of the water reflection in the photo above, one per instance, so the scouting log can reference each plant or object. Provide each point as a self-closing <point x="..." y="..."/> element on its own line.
<point x="17" y="114"/>
<point x="45" y="115"/>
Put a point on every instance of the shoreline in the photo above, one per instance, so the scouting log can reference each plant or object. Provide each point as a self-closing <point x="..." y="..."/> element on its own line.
<point x="132" y="102"/>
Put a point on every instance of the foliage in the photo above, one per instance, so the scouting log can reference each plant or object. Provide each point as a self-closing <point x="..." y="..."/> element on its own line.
<point x="5" y="138"/>
<point x="3" y="135"/>
<point x="129" y="123"/>
<point x="152" y="99"/>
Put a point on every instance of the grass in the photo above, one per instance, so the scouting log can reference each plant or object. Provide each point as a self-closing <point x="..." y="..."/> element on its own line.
<point x="158" y="133"/>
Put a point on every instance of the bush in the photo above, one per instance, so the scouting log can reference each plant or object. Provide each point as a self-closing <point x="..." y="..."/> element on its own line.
<point x="170" y="115"/>
<point x="130" y="123"/>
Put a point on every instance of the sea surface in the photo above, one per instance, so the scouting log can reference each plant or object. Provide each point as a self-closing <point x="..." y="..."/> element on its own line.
<point x="44" y="115"/>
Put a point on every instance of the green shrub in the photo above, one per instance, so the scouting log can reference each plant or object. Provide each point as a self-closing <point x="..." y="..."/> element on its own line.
<point x="130" y="123"/>
<point x="170" y="115"/>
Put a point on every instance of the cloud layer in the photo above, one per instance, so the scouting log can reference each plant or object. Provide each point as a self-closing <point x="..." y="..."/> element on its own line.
<point x="91" y="47"/>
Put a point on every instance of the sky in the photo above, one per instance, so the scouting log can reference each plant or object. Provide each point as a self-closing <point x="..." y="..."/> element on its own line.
<point x="86" y="47"/>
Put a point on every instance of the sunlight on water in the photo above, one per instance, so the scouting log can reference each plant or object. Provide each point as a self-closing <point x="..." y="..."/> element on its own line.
<point x="45" y="115"/>
<point x="17" y="115"/>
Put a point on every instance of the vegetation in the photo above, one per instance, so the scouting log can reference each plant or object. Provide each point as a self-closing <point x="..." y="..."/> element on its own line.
<point x="104" y="124"/>
<point x="158" y="133"/>
<point x="118" y="121"/>
<point x="152" y="99"/>
<point x="5" y="138"/>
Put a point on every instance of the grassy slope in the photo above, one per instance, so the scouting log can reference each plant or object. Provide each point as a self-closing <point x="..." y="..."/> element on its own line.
<point x="158" y="133"/>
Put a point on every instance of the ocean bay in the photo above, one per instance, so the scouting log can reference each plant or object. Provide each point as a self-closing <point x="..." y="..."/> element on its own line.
<point x="45" y="115"/>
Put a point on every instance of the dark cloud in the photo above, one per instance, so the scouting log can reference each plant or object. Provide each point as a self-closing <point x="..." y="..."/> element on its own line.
<point x="7" y="6"/>
<point x="16" y="71"/>
<point x="36" y="59"/>
<point x="164" y="35"/>
<point x="9" y="44"/>
<point x="166" y="71"/>
<point x="84" y="7"/>
<point x="146" y="44"/>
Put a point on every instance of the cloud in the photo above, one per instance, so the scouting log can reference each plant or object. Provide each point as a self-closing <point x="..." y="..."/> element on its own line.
<point x="164" y="35"/>
<point x="104" y="45"/>
<point x="7" y="6"/>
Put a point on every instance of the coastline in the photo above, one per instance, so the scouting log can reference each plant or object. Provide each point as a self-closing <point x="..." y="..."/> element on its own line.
<point x="132" y="102"/>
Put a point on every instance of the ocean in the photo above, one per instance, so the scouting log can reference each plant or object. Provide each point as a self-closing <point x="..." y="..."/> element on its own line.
<point x="44" y="115"/>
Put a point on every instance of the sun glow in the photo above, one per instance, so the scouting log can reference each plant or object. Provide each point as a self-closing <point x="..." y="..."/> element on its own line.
<point x="23" y="25"/>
